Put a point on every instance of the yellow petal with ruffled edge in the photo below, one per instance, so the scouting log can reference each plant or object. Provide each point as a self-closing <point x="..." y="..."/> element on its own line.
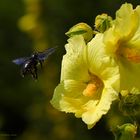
<point x="68" y="96"/>
<point x="126" y="22"/>
<point x="124" y="28"/>
<point x="132" y="47"/>
<point x="96" y="111"/>
<point x="73" y="66"/>
<point x="111" y="40"/>
<point x="136" y="37"/>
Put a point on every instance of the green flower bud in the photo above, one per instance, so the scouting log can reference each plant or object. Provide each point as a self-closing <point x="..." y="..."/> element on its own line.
<point x="81" y="29"/>
<point x="130" y="102"/>
<point x="103" y="22"/>
<point x="125" y="132"/>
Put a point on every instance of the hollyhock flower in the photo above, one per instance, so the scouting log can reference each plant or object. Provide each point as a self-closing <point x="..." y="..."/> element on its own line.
<point x="122" y="41"/>
<point x="89" y="80"/>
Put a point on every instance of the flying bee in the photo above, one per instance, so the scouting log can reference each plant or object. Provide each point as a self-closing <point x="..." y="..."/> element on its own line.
<point x="29" y="64"/>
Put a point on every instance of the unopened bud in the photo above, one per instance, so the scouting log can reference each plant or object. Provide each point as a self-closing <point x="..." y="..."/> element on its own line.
<point x="103" y="22"/>
<point x="81" y="29"/>
<point x="125" y="132"/>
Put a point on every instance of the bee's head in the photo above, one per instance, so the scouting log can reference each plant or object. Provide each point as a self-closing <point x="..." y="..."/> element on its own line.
<point x="35" y="55"/>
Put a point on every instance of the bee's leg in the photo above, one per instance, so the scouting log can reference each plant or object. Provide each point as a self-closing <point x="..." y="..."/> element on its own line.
<point x="34" y="76"/>
<point x="32" y="73"/>
<point x="40" y="61"/>
<point x="35" y="72"/>
<point x="22" y="73"/>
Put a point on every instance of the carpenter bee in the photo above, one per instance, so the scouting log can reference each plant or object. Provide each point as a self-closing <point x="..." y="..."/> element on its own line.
<point x="29" y="64"/>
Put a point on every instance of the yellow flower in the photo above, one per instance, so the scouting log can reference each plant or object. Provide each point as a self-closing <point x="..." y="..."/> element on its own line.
<point x="89" y="80"/>
<point x="122" y="41"/>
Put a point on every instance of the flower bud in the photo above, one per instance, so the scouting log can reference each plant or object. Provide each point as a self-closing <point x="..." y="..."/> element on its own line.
<point x="81" y="29"/>
<point x="125" y="132"/>
<point x="103" y="22"/>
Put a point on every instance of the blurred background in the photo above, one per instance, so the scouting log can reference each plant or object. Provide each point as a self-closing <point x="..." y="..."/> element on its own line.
<point x="25" y="109"/>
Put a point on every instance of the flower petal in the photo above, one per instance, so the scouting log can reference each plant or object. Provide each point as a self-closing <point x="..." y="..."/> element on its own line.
<point x="129" y="75"/>
<point x="73" y="66"/>
<point x="111" y="40"/>
<point x="95" y="54"/>
<point x="126" y="22"/>
<point x="95" y="112"/>
<point x="102" y="64"/>
<point x="133" y="45"/>
<point x="68" y="96"/>
<point x="136" y="37"/>
<point x="124" y="28"/>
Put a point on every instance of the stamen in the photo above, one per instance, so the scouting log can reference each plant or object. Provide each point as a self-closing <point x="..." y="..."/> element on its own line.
<point x="131" y="54"/>
<point x="93" y="85"/>
<point x="90" y="90"/>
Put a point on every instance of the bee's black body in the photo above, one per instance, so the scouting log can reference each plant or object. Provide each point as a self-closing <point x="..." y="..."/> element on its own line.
<point x="30" y="66"/>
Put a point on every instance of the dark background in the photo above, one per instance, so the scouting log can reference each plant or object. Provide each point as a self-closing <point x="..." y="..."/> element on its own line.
<point x="25" y="110"/>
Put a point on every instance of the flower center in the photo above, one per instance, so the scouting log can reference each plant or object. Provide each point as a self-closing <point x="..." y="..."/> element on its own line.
<point x="132" y="54"/>
<point x="93" y="86"/>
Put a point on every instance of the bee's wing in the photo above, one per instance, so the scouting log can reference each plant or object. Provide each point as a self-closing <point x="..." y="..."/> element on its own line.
<point x="20" y="61"/>
<point x="44" y="55"/>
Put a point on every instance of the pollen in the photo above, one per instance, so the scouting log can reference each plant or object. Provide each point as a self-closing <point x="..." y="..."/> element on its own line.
<point x="90" y="90"/>
<point x="131" y="54"/>
<point x="92" y="86"/>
